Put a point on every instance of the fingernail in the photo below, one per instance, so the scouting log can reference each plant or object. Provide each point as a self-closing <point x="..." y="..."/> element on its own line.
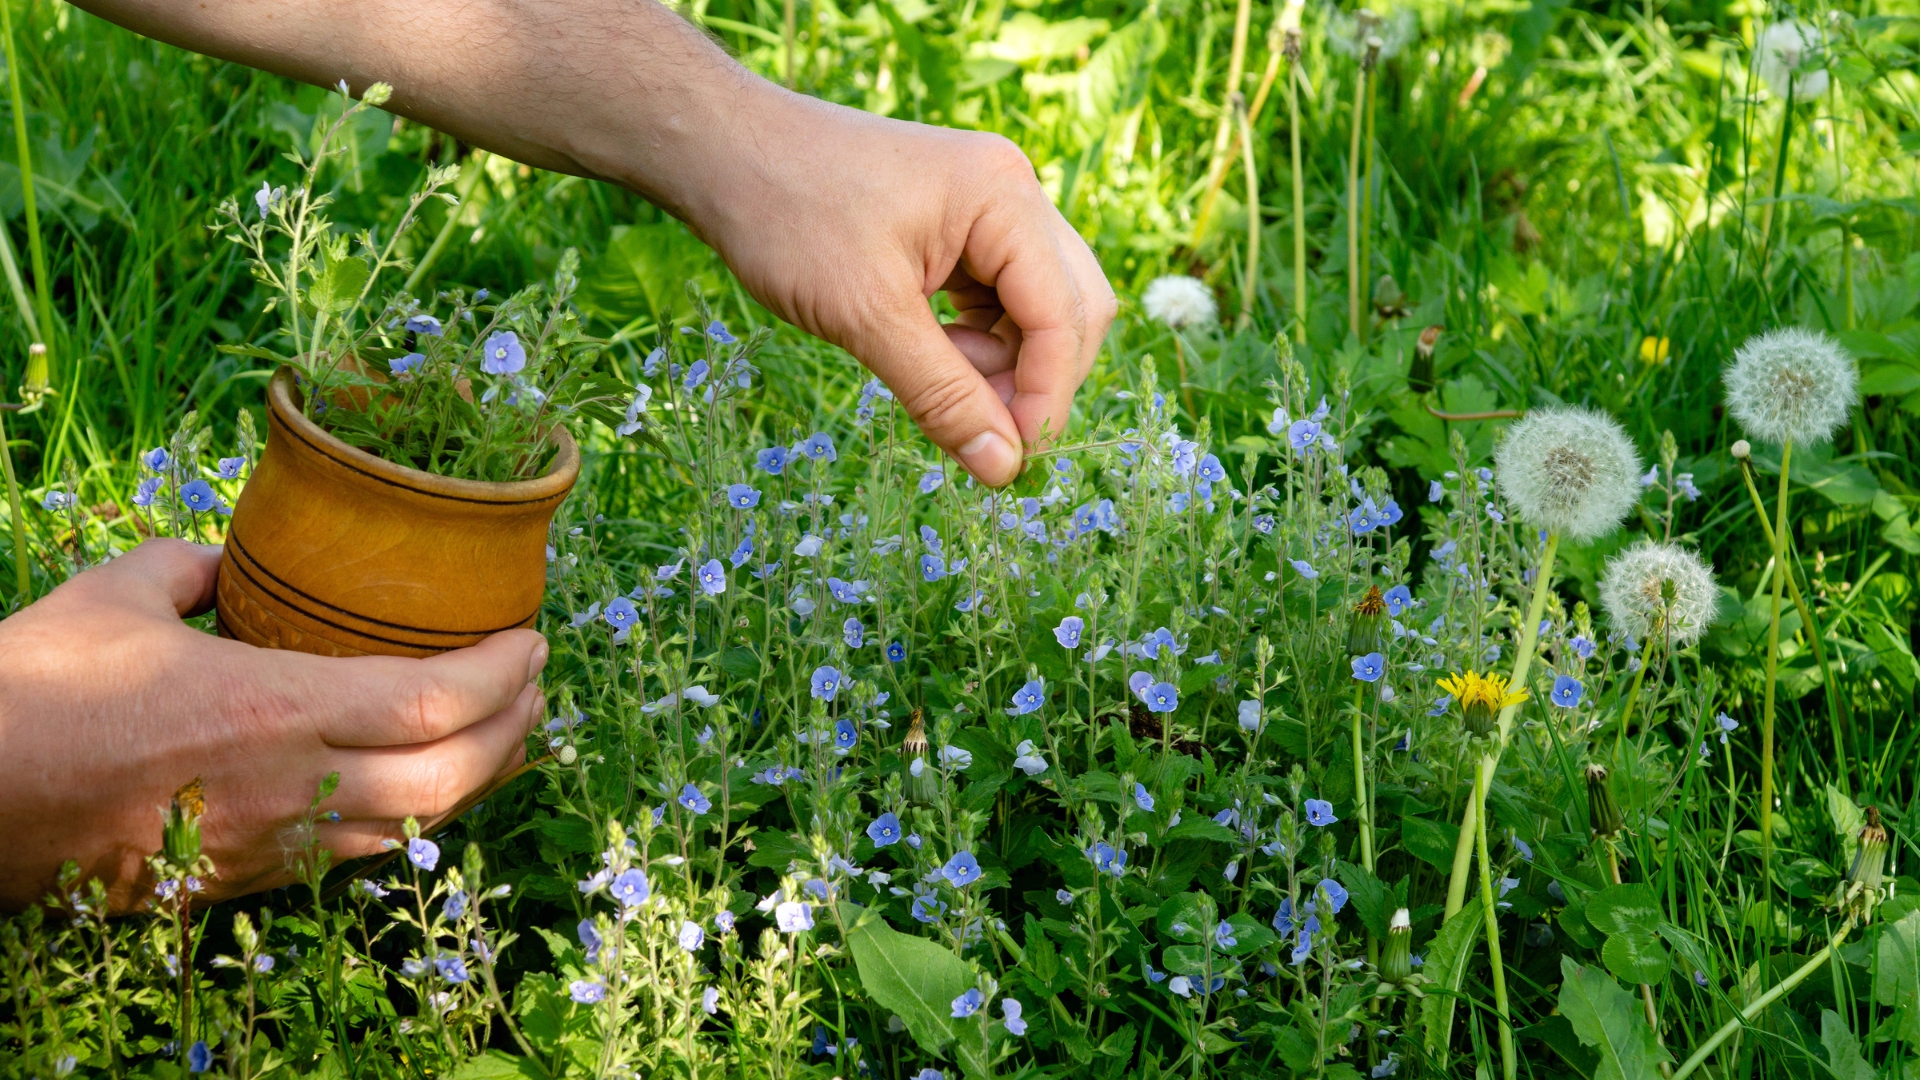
<point x="537" y="661"/>
<point x="990" y="458"/>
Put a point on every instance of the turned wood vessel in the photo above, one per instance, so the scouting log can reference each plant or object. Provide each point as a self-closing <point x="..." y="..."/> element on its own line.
<point x="337" y="552"/>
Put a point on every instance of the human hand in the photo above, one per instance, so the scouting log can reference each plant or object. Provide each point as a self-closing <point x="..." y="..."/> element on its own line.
<point x="845" y="223"/>
<point x="108" y="703"/>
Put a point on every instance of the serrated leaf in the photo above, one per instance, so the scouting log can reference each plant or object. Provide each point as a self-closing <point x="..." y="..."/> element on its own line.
<point x="1446" y="964"/>
<point x="1896" y="978"/>
<point x="1625" y="909"/>
<point x="1605" y="1016"/>
<point x="1200" y="828"/>
<point x="497" y="1065"/>
<point x="1636" y="957"/>
<point x="1843" y="1049"/>
<point x="336" y="288"/>
<point x="1372" y="899"/>
<point x="912" y="976"/>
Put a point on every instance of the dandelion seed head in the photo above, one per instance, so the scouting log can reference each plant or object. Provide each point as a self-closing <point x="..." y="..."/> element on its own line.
<point x="1632" y="592"/>
<point x="1572" y="471"/>
<point x="1179" y="301"/>
<point x="1791" y="385"/>
<point x="1782" y="48"/>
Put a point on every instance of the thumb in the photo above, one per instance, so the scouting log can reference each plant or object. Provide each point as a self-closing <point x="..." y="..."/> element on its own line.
<point x="170" y="577"/>
<point x="944" y="393"/>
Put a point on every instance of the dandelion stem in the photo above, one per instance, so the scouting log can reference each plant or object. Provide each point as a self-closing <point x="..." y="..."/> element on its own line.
<point x="1252" y="283"/>
<point x="1299" y="198"/>
<point x="22" y="571"/>
<point x="1353" y="203"/>
<point x="1366" y="219"/>
<point x="1483" y="778"/>
<point x="1761" y="1003"/>
<point x="1360" y="801"/>
<point x="1773" y="679"/>
<point x="1633" y="696"/>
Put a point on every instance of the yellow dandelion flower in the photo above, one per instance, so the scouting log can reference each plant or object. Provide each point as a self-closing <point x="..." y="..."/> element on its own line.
<point x="1653" y="350"/>
<point x="1481" y="697"/>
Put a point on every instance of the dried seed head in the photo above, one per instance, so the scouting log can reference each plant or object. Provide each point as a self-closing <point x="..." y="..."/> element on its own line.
<point x="1742" y="449"/>
<point x="1180" y="301"/>
<point x="1603" y="814"/>
<point x="1657" y="588"/>
<point x="1791" y="385"/>
<point x="1868" y="872"/>
<point x="1363" y="629"/>
<point x="1571" y="471"/>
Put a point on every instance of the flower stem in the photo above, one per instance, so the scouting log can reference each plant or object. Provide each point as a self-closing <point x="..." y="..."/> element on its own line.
<point x="1633" y="696"/>
<point x="1299" y="204"/>
<point x="1253" y="212"/>
<point x="1362" y="810"/>
<point x="1773" y="679"/>
<point x="23" y="573"/>
<point x="1483" y="778"/>
<point x="1522" y="661"/>
<point x="1353" y="202"/>
<point x="1761" y="1003"/>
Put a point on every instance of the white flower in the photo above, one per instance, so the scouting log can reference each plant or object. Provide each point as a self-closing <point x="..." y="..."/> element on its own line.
<point x="701" y="697"/>
<point x="1250" y="715"/>
<point x="1569" y="470"/>
<point x="1783" y="47"/>
<point x="1633" y="586"/>
<point x="1791" y="385"/>
<point x="1029" y="761"/>
<point x="1351" y="35"/>
<point x="1179" y="301"/>
<point x="956" y="757"/>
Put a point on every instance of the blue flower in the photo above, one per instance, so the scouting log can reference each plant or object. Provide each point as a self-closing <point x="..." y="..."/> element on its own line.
<point x="1178" y="502"/>
<point x="1320" y="813"/>
<point x="631" y="888"/>
<point x="845" y="735"/>
<point x="451" y="968"/>
<point x="1223" y="936"/>
<point x="1435" y="491"/>
<point x="967" y="1004"/>
<point x="853" y="632"/>
<point x="1063" y="896"/>
<point x="793" y="916"/>
<point x="1304" y="569"/>
<point x="1440" y="705"/>
<point x="143" y="495"/>
<point x="157" y="459"/>
<point x="1368" y="668"/>
<point x="742" y="553"/>
<point x="199" y="1057"/>
<point x="896" y="652"/>
<point x="1028" y="698"/>
<point x="1303" y="948"/>
<point x="1263" y="524"/>
<point x="692" y="799"/>
<point x="933" y="567"/>
<point x="1302" y="434"/>
<point x="718" y="332"/>
<point x="587" y="992"/>
<point x="1389" y="514"/>
<point x="589" y="935"/>
<point x="423" y="853"/>
<point x="846" y="592"/>
<point x="504" y="354"/>
<point x="742" y="497"/>
<point x="1494" y="513"/>
<point x="1727" y="725"/>
<point x="199" y="497"/>
<point x="1010" y="1009"/>
<point x="230" y="467"/>
<point x="1399" y="598"/>
<point x="692" y="936"/>
<point x="1210" y="470"/>
<point x="1361" y="519"/>
<point x="928" y="908"/>
<point x="455" y="906"/>
<point x="772" y="460"/>
<point x="1161" y="697"/>
<point x="1069" y="630"/>
<point x="1582" y="646"/>
<point x="1567" y="692"/>
<point x="930" y="538"/>
<point x="713" y="578"/>
<point x="696" y="375"/>
<point x="1107" y="859"/>
<point x="620" y="613"/>
<point x="1335" y="893"/>
<point x="825" y="682"/>
<point x="818" y="447"/>
<point x="885" y="830"/>
<point x="723" y="922"/>
<point x="931" y="480"/>
<point x="406" y="365"/>
<point x="961" y="870"/>
<point x="1142" y="798"/>
<point x="425" y="324"/>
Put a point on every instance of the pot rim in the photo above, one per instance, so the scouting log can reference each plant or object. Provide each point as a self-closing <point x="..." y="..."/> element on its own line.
<point x="556" y="481"/>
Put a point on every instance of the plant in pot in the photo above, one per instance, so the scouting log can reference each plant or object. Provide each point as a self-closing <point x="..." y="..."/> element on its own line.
<point x="416" y="451"/>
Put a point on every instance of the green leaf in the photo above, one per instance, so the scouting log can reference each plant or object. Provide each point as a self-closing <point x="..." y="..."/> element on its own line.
<point x="336" y="288"/>
<point x="1192" y="912"/>
<point x="1605" y="1016"/>
<point x="1843" y="1049"/>
<point x="1249" y="935"/>
<point x="1432" y="842"/>
<point x="1372" y="899"/>
<point x="1200" y="828"/>
<point x="912" y="976"/>
<point x="1896" y="979"/>
<point x="1446" y="965"/>
<point x="497" y="1065"/>
<point x="1636" y="957"/>
<point x="1625" y="909"/>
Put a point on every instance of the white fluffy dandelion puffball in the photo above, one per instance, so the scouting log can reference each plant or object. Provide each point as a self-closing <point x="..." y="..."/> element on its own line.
<point x="1633" y="592"/>
<point x="1791" y="385"/>
<point x="1180" y="301"/>
<point x="1569" y="470"/>
<point x="1783" y="47"/>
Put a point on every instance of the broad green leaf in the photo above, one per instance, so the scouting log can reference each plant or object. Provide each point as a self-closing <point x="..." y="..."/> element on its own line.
<point x="1186" y="917"/>
<point x="1896" y="978"/>
<point x="1185" y="959"/>
<point x="1373" y="900"/>
<point x="497" y="1065"/>
<point x="913" y="977"/>
<point x="1847" y="821"/>
<point x="1625" y="909"/>
<point x="336" y="288"/>
<point x="1843" y="1049"/>
<point x="1636" y="957"/>
<point x="1606" y="1017"/>
<point x="1249" y="935"/>
<point x="1446" y="964"/>
<point x="1200" y="828"/>
<point x="1430" y="841"/>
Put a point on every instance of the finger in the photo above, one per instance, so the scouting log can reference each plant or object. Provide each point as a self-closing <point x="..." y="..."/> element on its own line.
<point x="981" y="329"/>
<point x="169" y="578"/>
<point x="427" y="781"/>
<point x="393" y="701"/>
<point x="1045" y="384"/>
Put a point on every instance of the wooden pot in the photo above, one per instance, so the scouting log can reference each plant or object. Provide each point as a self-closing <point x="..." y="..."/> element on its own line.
<point x="337" y="552"/>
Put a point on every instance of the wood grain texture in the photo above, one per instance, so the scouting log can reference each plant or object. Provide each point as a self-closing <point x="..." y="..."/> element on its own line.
<point x="337" y="552"/>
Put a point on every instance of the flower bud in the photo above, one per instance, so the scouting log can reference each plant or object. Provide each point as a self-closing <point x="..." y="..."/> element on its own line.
<point x="922" y="782"/>
<point x="1396" y="966"/>
<point x="567" y="755"/>
<point x="1602" y="812"/>
<point x="1363" y="629"/>
<point x="1868" y="872"/>
<point x="1742" y="448"/>
<point x="180" y="828"/>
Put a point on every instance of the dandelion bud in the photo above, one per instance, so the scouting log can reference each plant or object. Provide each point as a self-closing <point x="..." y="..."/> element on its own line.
<point x="1791" y="385"/>
<point x="1571" y="471"/>
<point x="180" y="828"/>
<point x="1363" y="629"/>
<point x="1396" y="966"/>
<point x="922" y="783"/>
<point x="1653" y="589"/>
<point x="567" y="755"/>
<point x="1867" y="874"/>
<point x="1602" y="812"/>
<point x="1742" y="449"/>
<point x="36" y="383"/>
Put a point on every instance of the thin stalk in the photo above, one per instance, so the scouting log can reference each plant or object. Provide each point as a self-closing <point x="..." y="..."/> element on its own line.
<point x="1522" y="662"/>
<point x="23" y="574"/>
<point x="1509" y="1068"/>
<point x="1299" y="197"/>
<point x="1761" y="1003"/>
<point x="1221" y="160"/>
<point x="1252" y="283"/>
<point x="1360" y="801"/>
<point x="1773" y="679"/>
<point x="788" y="32"/>
<point x="1779" y="184"/>
<point x="42" y="287"/>
<point x="1633" y="696"/>
<point x="1816" y="636"/>
<point x="1366" y="220"/>
<point x="463" y="187"/>
<point x="1353" y="202"/>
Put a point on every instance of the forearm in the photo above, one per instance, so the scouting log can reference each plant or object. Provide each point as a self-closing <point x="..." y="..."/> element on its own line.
<point x="618" y="90"/>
